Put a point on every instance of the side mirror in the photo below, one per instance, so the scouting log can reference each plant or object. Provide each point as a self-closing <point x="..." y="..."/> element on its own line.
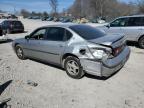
<point x="27" y="37"/>
<point x="108" y="26"/>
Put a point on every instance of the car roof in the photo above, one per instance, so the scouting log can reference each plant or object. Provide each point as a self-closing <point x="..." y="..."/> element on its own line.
<point x="1" y="20"/>
<point x="62" y="25"/>
<point x="10" y="19"/>
<point x="132" y="16"/>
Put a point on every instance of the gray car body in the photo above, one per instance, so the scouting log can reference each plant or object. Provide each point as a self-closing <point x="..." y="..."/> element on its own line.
<point x="55" y="52"/>
<point x="132" y="33"/>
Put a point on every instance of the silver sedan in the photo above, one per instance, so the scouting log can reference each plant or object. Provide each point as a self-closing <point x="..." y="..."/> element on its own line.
<point x="79" y="49"/>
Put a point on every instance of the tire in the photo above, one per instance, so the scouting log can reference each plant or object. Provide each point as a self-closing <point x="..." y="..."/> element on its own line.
<point x="4" y="105"/>
<point x="73" y="67"/>
<point x="141" y="42"/>
<point x="8" y="31"/>
<point x="4" y="32"/>
<point x="19" y="52"/>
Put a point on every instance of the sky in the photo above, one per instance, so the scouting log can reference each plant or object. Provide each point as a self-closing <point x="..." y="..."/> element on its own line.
<point x="127" y="1"/>
<point x="37" y="5"/>
<point x="33" y="5"/>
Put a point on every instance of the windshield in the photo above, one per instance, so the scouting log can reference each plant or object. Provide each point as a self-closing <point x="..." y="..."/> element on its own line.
<point x="87" y="32"/>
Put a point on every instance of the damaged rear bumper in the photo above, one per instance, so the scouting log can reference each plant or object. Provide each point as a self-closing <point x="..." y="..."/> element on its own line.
<point x="108" y="67"/>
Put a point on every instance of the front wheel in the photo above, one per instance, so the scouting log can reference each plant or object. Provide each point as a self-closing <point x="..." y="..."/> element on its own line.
<point x="19" y="52"/>
<point x="141" y="42"/>
<point x="73" y="67"/>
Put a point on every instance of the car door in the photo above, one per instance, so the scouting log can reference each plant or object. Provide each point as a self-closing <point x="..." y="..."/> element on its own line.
<point x="54" y="44"/>
<point x="133" y="29"/>
<point x="33" y="44"/>
<point x="116" y="25"/>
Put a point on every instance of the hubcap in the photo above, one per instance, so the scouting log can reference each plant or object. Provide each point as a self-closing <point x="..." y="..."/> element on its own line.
<point x="72" y="67"/>
<point x="19" y="52"/>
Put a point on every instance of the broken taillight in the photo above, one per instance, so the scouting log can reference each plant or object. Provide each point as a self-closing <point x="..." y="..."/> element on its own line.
<point x="117" y="50"/>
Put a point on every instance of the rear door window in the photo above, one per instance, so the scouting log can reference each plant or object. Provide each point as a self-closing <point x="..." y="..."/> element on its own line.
<point x="136" y="21"/>
<point x="6" y="23"/>
<point x="55" y="34"/>
<point x="38" y="34"/>
<point x="142" y="21"/>
<point x="17" y="23"/>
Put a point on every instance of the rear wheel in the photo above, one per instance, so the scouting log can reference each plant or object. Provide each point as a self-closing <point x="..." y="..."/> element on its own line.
<point x="19" y="52"/>
<point x="8" y="31"/>
<point x="141" y="42"/>
<point x="73" y="67"/>
<point x="4" y="105"/>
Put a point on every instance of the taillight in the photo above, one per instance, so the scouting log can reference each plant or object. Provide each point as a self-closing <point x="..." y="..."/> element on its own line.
<point x="117" y="50"/>
<point x="100" y="53"/>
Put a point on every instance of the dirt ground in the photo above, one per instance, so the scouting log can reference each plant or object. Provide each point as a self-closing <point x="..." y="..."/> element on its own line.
<point x="56" y="90"/>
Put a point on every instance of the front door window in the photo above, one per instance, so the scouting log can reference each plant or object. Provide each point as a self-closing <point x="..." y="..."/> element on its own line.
<point x="122" y="22"/>
<point x="38" y="34"/>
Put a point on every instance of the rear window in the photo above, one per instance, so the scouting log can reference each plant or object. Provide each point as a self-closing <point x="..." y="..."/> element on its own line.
<point x="136" y="21"/>
<point x="17" y="23"/>
<point x="87" y="32"/>
<point x="55" y="34"/>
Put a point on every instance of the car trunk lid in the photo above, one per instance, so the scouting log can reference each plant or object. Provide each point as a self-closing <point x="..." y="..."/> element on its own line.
<point x="115" y="41"/>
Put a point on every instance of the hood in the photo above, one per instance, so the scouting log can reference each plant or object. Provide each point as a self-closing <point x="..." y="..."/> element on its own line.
<point x="108" y="40"/>
<point x="19" y="40"/>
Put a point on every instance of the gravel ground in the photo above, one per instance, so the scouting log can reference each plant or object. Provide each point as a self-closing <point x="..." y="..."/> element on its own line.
<point x="56" y="90"/>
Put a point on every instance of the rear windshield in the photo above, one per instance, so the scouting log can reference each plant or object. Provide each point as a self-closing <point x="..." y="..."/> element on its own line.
<point x="16" y="23"/>
<point x="87" y="32"/>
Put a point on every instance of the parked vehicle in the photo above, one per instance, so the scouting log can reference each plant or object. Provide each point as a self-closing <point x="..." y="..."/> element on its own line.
<point x="131" y="26"/>
<point x="30" y="17"/>
<point x="50" y="19"/>
<point x="93" y="21"/>
<point x="66" y="20"/>
<point x="10" y="26"/>
<point x="83" y="20"/>
<point x="56" y="19"/>
<point x="2" y="35"/>
<point x="44" y="18"/>
<point x="36" y="17"/>
<point x="79" y="49"/>
<point x="13" y="17"/>
<point x="61" y="19"/>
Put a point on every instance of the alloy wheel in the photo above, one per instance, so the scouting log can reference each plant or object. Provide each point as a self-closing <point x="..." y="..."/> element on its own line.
<point x="19" y="52"/>
<point x="72" y="67"/>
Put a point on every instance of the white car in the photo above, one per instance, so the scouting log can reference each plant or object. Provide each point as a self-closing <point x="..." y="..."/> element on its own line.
<point x="131" y="26"/>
